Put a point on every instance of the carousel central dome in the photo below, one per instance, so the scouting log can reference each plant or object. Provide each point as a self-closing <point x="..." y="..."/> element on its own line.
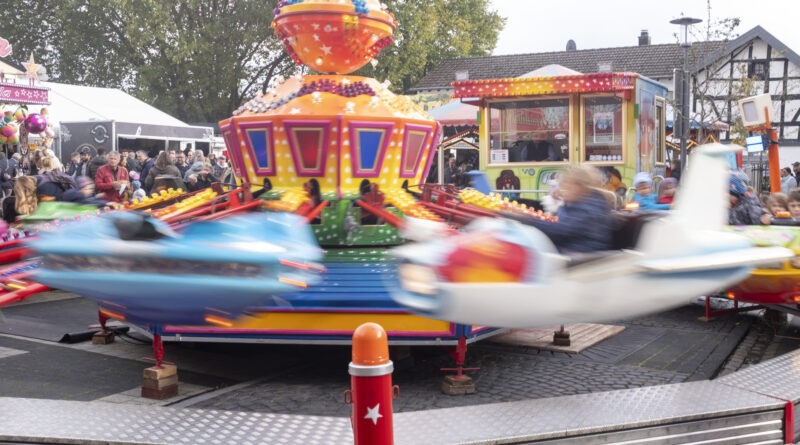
<point x="333" y="36"/>
<point x="336" y="129"/>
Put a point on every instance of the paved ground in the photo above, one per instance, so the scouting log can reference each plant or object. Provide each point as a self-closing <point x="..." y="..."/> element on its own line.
<point x="665" y="348"/>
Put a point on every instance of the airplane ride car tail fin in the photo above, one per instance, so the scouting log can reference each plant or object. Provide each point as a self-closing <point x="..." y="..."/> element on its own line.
<point x="701" y="203"/>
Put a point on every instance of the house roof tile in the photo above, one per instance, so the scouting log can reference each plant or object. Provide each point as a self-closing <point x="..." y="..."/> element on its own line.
<point x="654" y="61"/>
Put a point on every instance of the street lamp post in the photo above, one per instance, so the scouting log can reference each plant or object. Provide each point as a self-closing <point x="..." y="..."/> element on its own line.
<point x="685" y="85"/>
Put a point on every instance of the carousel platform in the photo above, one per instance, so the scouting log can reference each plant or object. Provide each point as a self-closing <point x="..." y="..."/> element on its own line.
<point x="755" y="405"/>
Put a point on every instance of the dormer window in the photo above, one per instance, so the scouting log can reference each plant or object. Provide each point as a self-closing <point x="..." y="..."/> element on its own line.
<point x="757" y="70"/>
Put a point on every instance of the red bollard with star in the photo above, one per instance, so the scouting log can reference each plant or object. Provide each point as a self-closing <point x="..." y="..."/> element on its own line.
<point x="371" y="391"/>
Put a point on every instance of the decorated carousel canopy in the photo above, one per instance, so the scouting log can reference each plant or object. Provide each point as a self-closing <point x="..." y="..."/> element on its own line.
<point x="530" y="86"/>
<point x="336" y="129"/>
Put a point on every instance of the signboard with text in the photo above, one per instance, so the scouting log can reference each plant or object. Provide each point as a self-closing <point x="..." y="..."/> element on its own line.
<point x="498" y="156"/>
<point x="19" y="94"/>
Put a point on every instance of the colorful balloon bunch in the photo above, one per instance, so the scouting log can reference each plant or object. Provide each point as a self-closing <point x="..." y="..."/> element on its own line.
<point x="35" y="123"/>
<point x="9" y="133"/>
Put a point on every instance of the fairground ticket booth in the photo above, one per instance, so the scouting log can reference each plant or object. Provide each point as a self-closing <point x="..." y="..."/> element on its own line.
<point x="538" y="125"/>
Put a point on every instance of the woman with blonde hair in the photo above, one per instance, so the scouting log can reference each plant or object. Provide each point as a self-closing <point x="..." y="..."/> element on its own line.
<point x="54" y="162"/>
<point x="584" y="221"/>
<point x="51" y="182"/>
<point x="25" y="195"/>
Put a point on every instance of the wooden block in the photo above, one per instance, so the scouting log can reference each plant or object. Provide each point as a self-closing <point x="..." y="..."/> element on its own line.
<point x="457" y="385"/>
<point x="160" y="383"/>
<point x="156" y="373"/>
<point x="561" y="338"/>
<point x="103" y="338"/>
<point x="160" y="394"/>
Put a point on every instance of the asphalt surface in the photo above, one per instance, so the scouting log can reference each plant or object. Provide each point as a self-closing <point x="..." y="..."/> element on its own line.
<point x="664" y="348"/>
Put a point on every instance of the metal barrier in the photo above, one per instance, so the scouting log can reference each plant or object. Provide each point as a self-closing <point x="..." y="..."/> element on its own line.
<point x="753" y="406"/>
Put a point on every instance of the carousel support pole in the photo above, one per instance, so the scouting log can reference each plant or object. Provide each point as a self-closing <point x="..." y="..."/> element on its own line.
<point x="105" y="336"/>
<point x="371" y="391"/>
<point x="160" y="381"/>
<point x="459" y="384"/>
<point x="772" y="156"/>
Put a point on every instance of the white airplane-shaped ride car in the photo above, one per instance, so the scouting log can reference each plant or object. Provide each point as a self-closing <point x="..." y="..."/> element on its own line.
<point x="499" y="272"/>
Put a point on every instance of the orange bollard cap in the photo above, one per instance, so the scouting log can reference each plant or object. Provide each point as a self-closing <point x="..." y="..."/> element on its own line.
<point x="370" y="345"/>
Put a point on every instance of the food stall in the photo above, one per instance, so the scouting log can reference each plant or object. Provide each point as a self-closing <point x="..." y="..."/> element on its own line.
<point x="609" y="120"/>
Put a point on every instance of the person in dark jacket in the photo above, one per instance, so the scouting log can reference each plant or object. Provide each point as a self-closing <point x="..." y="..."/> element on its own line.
<point x="796" y="172"/>
<point x="164" y="175"/>
<point x="5" y="179"/>
<point x="74" y="164"/>
<point x="83" y="193"/>
<point x="201" y="180"/>
<point x="97" y="162"/>
<point x="147" y="163"/>
<point x="584" y="221"/>
<point x="745" y="208"/>
<point x="181" y="164"/>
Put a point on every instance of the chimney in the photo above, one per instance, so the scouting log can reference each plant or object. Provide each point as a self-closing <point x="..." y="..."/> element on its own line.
<point x="571" y="45"/>
<point x="644" y="38"/>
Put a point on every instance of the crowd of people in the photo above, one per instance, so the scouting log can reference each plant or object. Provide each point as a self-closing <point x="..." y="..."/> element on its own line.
<point x="103" y="177"/>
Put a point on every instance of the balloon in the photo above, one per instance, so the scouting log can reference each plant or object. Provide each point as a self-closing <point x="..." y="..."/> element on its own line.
<point x="13" y="139"/>
<point x="8" y="116"/>
<point x="3" y="139"/>
<point x="35" y="123"/>
<point x="20" y="114"/>
<point x="8" y="131"/>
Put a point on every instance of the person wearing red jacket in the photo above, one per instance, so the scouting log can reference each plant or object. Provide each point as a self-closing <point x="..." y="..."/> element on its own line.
<point x="112" y="179"/>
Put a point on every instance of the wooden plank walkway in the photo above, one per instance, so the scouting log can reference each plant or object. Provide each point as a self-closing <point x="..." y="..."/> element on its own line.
<point x="582" y="336"/>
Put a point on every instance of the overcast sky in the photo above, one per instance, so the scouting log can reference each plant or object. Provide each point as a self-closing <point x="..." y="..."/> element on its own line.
<point x="541" y="26"/>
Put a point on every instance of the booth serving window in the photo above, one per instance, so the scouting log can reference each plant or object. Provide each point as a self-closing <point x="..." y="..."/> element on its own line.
<point x="602" y="135"/>
<point x="529" y="131"/>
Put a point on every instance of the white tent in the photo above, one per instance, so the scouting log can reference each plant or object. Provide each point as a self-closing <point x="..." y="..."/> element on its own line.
<point x="94" y="117"/>
<point x="75" y="103"/>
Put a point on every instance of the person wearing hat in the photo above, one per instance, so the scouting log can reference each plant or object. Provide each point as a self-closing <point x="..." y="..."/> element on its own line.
<point x="745" y="209"/>
<point x="85" y="158"/>
<point x="644" y="195"/>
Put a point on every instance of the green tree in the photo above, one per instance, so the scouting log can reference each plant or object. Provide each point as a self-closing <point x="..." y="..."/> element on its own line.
<point x="77" y="41"/>
<point x="201" y="59"/>
<point x="431" y="31"/>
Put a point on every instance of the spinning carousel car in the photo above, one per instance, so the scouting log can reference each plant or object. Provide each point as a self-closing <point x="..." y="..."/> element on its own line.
<point x="506" y="274"/>
<point x="139" y="269"/>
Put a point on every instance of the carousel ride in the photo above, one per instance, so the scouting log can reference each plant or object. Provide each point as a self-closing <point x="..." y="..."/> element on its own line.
<point x="344" y="154"/>
<point x="338" y="150"/>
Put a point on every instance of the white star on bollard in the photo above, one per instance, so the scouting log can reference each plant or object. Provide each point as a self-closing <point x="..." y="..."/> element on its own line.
<point x="373" y="414"/>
